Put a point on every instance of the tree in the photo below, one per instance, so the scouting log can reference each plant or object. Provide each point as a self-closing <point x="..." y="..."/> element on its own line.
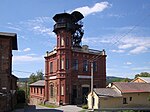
<point x="36" y="76"/>
<point x="143" y="74"/>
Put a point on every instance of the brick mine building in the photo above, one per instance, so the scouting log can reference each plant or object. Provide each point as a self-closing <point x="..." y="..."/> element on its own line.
<point x="68" y="65"/>
<point x="8" y="82"/>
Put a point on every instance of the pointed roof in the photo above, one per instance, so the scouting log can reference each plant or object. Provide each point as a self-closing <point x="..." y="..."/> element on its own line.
<point x="109" y="92"/>
<point x="145" y="79"/>
<point x="131" y="87"/>
<point x="38" y="83"/>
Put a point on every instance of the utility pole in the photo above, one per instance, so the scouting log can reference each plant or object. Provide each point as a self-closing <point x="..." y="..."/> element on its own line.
<point x="92" y="73"/>
<point x="92" y="77"/>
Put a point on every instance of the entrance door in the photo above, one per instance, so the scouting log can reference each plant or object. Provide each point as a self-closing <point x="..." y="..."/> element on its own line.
<point x="85" y="91"/>
<point x="74" y="95"/>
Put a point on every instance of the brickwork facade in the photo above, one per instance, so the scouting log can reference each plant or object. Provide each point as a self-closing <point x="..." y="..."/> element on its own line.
<point x="37" y="92"/>
<point x="68" y="66"/>
<point x="8" y="82"/>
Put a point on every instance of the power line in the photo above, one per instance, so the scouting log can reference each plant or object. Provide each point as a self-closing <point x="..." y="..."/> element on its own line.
<point x="21" y="71"/>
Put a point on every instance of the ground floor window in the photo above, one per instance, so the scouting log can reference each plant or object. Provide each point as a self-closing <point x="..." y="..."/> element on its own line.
<point x="62" y="90"/>
<point x="124" y="100"/>
<point x="51" y="90"/>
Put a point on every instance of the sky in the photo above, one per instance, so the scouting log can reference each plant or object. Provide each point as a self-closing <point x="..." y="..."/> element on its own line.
<point x="121" y="27"/>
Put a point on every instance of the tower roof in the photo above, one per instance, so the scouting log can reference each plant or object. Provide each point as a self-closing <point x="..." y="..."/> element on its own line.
<point x="74" y="16"/>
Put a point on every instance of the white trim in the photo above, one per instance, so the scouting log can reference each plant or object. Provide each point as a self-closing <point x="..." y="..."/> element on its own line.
<point x="84" y="77"/>
<point x="53" y="77"/>
<point x="85" y="85"/>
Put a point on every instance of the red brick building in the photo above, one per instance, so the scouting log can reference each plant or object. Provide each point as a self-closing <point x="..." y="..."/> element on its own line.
<point x="8" y="82"/>
<point x="68" y="65"/>
<point x="37" y="92"/>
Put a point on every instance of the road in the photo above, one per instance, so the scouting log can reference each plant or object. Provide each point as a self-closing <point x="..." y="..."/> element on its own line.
<point x="67" y="108"/>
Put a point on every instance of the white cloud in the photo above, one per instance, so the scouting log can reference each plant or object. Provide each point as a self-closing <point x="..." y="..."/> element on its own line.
<point x="39" y="25"/>
<point x="27" y="49"/>
<point x="139" y="49"/>
<point x="98" y="7"/>
<point x="128" y="63"/>
<point x="118" y="51"/>
<point x="145" y="68"/>
<point x="125" y="46"/>
<point x="27" y="58"/>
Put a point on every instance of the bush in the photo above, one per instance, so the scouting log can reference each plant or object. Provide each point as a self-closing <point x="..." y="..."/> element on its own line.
<point x="20" y="96"/>
<point x="84" y="106"/>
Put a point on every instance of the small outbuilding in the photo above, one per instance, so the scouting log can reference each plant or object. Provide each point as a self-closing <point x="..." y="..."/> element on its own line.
<point x="120" y="95"/>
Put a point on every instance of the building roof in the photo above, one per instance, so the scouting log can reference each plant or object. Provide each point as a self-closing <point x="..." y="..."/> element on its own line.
<point x="145" y="79"/>
<point x="38" y="83"/>
<point x="131" y="87"/>
<point x="110" y="92"/>
<point x="10" y="35"/>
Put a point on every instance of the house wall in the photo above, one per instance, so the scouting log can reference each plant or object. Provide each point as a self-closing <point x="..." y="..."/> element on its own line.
<point x="133" y="100"/>
<point x="37" y="94"/>
<point x="139" y="80"/>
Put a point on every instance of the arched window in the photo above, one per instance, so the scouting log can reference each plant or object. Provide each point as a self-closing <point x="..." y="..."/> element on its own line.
<point x="51" y="90"/>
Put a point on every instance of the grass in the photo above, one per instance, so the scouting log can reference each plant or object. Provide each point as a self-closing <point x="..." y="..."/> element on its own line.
<point x="49" y="105"/>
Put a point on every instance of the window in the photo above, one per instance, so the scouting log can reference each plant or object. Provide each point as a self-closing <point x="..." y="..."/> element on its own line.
<point x="75" y="64"/>
<point x="51" y="67"/>
<point x="62" y="64"/>
<point x="51" y="90"/>
<point x="34" y="89"/>
<point x="130" y="98"/>
<point x="57" y="41"/>
<point x="95" y="66"/>
<point x="124" y="100"/>
<point x="41" y="90"/>
<point x="62" y="41"/>
<point x="67" y="64"/>
<point x="67" y="41"/>
<point x="85" y="65"/>
<point x="58" y="64"/>
<point x="37" y="90"/>
<point x="62" y="90"/>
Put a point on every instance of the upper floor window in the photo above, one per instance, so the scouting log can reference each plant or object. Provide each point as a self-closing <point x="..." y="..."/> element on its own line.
<point x="85" y="65"/>
<point x="75" y="64"/>
<point x="51" y="67"/>
<point x="67" y="64"/>
<point x="67" y="41"/>
<point x="62" y="41"/>
<point x="95" y="66"/>
<point x="62" y="64"/>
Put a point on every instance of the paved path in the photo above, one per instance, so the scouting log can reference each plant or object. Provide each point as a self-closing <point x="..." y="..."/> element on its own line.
<point x="33" y="108"/>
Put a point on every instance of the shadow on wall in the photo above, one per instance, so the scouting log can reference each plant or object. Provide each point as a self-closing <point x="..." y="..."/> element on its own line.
<point x="32" y="108"/>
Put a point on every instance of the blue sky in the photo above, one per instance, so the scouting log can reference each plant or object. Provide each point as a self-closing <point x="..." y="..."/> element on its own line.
<point x="121" y="27"/>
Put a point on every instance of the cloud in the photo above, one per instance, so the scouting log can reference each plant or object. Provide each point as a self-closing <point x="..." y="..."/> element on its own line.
<point x="125" y="46"/>
<point x="128" y="63"/>
<point x="39" y="25"/>
<point x="27" y="49"/>
<point x="118" y="51"/>
<point x="139" y="49"/>
<point x="98" y="7"/>
<point x="27" y="58"/>
<point x="145" y="68"/>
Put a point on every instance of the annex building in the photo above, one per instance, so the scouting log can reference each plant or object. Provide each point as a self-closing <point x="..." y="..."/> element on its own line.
<point x="68" y="65"/>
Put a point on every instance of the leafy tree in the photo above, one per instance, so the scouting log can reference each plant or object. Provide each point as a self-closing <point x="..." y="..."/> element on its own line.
<point x="36" y="76"/>
<point x="143" y="74"/>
